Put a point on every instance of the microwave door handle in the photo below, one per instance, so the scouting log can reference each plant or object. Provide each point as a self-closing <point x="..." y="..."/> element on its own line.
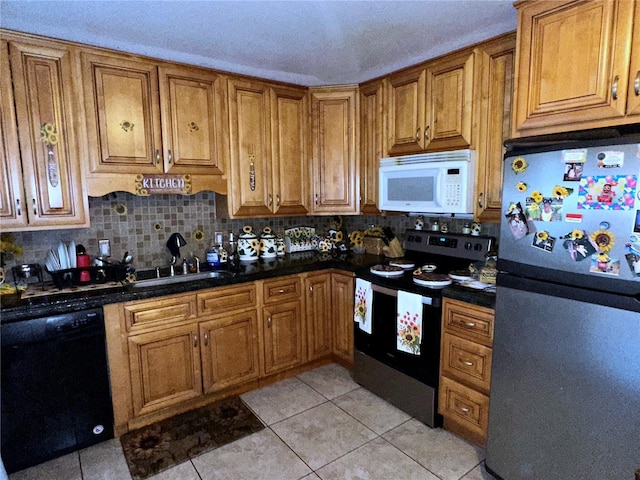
<point x="436" y="197"/>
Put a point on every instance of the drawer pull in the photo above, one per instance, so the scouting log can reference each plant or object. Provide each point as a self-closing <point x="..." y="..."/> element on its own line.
<point x="466" y="362"/>
<point x="614" y="87"/>
<point x="464" y="409"/>
<point x="269" y="322"/>
<point x="206" y="339"/>
<point x="283" y="290"/>
<point x="195" y="341"/>
<point x="469" y="324"/>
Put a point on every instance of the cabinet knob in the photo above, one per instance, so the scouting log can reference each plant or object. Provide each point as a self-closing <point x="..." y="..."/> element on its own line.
<point x="426" y="132"/>
<point x="418" y="134"/>
<point x="278" y="200"/>
<point x="170" y="156"/>
<point x="269" y="322"/>
<point x="195" y="341"/>
<point x="158" y="157"/>
<point x="270" y="199"/>
<point x="206" y="339"/>
<point x="311" y="290"/>
<point x="480" y="200"/>
<point x="614" y="87"/>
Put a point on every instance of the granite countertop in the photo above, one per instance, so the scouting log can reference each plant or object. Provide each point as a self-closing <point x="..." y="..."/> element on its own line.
<point x="14" y="308"/>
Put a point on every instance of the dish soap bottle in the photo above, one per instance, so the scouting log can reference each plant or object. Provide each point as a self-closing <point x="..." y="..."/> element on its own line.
<point x="213" y="257"/>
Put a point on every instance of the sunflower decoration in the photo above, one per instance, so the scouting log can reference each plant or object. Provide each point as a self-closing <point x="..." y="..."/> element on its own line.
<point x="375" y="231"/>
<point x="49" y="134"/>
<point x="522" y="187"/>
<point x="603" y="257"/>
<point x="604" y="239"/>
<point x="577" y="234"/>
<point x="512" y="208"/>
<point x="537" y="196"/>
<point x="198" y="235"/>
<point x="542" y="236"/>
<point x="519" y="165"/>
<point x="561" y="192"/>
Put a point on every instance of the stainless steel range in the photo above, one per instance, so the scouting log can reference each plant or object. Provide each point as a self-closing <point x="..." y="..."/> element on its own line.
<point x="409" y="379"/>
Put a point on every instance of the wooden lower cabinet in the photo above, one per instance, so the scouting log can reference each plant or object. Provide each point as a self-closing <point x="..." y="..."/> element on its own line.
<point x="165" y="368"/>
<point x="342" y="301"/>
<point x="175" y="353"/>
<point x="229" y="351"/>
<point x="465" y="369"/>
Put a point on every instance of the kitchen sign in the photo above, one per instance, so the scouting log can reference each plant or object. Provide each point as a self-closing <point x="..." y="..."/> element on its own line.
<point x="156" y="184"/>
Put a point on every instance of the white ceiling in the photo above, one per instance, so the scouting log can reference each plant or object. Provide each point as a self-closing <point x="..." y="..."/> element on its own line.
<point x="302" y="42"/>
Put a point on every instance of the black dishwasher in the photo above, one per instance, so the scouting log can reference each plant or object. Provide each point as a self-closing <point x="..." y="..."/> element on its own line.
<point x="54" y="388"/>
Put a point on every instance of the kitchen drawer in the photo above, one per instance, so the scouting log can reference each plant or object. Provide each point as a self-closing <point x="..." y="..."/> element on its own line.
<point x="159" y="311"/>
<point x="469" y="321"/>
<point x="465" y="410"/>
<point x="468" y="362"/>
<point x="282" y="289"/>
<point x="224" y="299"/>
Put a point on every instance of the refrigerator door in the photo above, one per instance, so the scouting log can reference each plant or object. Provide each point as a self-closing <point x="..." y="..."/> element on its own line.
<point x="570" y="215"/>
<point x="565" y="387"/>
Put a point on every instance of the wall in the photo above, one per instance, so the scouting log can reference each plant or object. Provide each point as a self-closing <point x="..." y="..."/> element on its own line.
<point x="142" y="225"/>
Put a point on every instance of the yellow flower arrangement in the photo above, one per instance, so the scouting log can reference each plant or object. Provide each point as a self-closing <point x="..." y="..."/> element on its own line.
<point x="519" y="165"/>
<point x="537" y="196"/>
<point x="375" y="231"/>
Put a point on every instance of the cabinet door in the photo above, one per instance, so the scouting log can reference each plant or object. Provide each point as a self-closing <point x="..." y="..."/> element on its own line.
<point x="44" y="100"/>
<point x="123" y="114"/>
<point x="495" y="126"/>
<point x="191" y="102"/>
<point x="633" y="99"/>
<point x="342" y="303"/>
<point x="283" y="336"/>
<point x="571" y="55"/>
<point x="406" y="111"/>
<point x="450" y="91"/>
<point x="250" y="189"/>
<point x="165" y="368"/>
<point x="289" y="127"/>
<point x="229" y="350"/>
<point x="12" y="206"/>
<point x="318" y="315"/>
<point x="335" y="168"/>
<point x="371" y="144"/>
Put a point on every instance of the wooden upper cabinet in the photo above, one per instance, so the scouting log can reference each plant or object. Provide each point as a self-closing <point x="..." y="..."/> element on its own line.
<point x="335" y="167"/>
<point x="290" y="150"/>
<point x="573" y="65"/>
<point x="633" y="93"/>
<point x="250" y="191"/>
<point x="46" y="164"/>
<point x="268" y="130"/>
<point x="406" y="111"/>
<point x="192" y="119"/>
<point x="497" y="58"/>
<point x="372" y="146"/>
<point x="125" y="101"/>
<point x="451" y="81"/>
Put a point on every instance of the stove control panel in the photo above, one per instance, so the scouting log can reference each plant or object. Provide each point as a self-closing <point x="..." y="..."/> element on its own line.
<point x="450" y="244"/>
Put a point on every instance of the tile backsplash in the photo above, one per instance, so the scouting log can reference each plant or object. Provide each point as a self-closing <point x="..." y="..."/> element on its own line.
<point x="142" y="225"/>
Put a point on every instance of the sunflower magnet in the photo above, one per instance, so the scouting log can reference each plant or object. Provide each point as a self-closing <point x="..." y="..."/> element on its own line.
<point x="543" y="241"/>
<point x="519" y="165"/>
<point x="579" y="245"/>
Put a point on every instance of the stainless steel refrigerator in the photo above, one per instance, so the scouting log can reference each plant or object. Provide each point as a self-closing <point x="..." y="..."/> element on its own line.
<point x="565" y="385"/>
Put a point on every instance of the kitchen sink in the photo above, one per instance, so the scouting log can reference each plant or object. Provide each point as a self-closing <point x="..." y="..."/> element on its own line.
<point x="148" y="278"/>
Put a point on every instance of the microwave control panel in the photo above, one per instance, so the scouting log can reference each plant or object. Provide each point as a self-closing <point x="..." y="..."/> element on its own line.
<point x="453" y="188"/>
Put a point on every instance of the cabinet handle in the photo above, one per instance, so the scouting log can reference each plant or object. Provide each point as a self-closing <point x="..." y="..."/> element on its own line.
<point x="466" y="362"/>
<point x="18" y="208"/>
<point x="195" y="341"/>
<point x="170" y="156"/>
<point x="283" y="290"/>
<point x="469" y="324"/>
<point x="278" y="200"/>
<point x="269" y="322"/>
<point x="252" y="170"/>
<point x="614" y="87"/>
<point x="418" y="134"/>
<point x="316" y="199"/>
<point x="158" y="157"/>
<point x="270" y="199"/>
<point x="636" y="84"/>
<point x="464" y="409"/>
<point x="206" y="339"/>
<point x="35" y="207"/>
<point x="426" y="132"/>
<point x="480" y="200"/>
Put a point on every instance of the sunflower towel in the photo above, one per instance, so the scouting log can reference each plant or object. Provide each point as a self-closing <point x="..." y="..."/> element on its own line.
<point x="362" y="310"/>
<point x="409" y="322"/>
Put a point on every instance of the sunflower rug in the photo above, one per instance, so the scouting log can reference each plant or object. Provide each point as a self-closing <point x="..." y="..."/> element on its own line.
<point x="162" y="445"/>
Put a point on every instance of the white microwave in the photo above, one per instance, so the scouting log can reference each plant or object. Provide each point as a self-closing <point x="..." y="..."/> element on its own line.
<point x="440" y="183"/>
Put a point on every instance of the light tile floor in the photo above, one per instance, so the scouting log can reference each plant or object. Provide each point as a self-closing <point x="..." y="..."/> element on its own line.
<point x="320" y="425"/>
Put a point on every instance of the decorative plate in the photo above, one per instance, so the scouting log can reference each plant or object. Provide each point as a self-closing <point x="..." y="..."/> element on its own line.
<point x="387" y="270"/>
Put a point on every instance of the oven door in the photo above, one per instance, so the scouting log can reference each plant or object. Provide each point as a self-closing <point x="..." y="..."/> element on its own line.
<point x="381" y="344"/>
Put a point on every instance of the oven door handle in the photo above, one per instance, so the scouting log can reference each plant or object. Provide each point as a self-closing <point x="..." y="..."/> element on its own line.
<point x="394" y="293"/>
